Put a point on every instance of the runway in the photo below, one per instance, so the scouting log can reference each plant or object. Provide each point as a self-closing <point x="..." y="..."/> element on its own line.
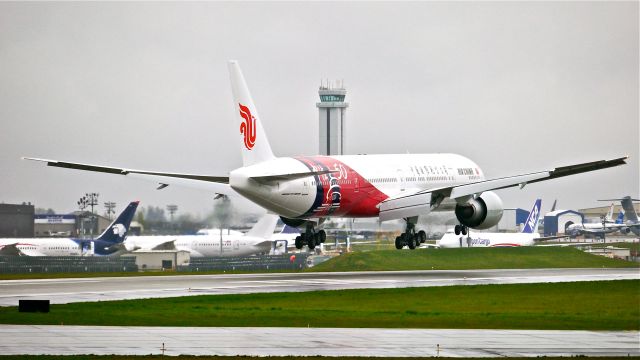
<point x="120" y="340"/>
<point x="61" y="291"/>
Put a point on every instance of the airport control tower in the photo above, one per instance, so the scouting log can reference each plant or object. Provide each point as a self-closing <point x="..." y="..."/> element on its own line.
<point x="332" y="110"/>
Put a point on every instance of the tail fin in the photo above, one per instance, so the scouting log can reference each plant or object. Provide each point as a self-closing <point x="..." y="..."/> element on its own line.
<point x="629" y="210"/>
<point x="116" y="232"/>
<point x="264" y="227"/>
<point x="531" y="225"/>
<point x="627" y="205"/>
<point x="620" y="218"/>
<point x="609" y="216"/>
<point x="255" y="147"/>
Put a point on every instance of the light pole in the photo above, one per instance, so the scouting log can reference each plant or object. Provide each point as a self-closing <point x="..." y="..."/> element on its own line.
<point x="92" y="199"/>
<point x="110" y="206"/>
<point x="172" y="210"/>
<point x="82" y="204"/>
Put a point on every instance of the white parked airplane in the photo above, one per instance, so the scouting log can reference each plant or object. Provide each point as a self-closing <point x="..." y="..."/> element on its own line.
<point x="255" y="241"/>
<point x="528" y="237"/>
<point x="108" y="243"/>
<point x="305" y="190"/>
<point x="607" y="226"/>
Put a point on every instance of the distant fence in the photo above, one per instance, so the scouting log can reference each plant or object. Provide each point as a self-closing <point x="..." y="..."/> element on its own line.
<point x="67" y="264"/>
<point x="247" y="263"/>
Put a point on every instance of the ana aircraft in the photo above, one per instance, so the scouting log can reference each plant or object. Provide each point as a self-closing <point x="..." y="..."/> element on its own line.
<point x="108" y="243"/>
<point x="528" y="237"/>
<point x="257" y="240"/>
<point x="305" y="190"/>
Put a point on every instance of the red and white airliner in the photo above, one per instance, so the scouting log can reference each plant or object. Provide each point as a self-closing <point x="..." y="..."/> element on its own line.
<point x="305" y="190"/>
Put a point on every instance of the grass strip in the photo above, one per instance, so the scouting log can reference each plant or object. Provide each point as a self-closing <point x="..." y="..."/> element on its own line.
<point x="471" y="258"/>
<point x="598" y="305"/>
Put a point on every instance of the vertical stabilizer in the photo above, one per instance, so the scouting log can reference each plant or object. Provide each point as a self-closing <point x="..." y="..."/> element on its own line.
<point x="117" y="231"/>
<point x="251" y="135"/>
<point x="609" y="216"/>
<point x="629" y="210"/>
<point x="620" y="218"/>
<point x="531" y="225"/>
<point x="264" y="227"/>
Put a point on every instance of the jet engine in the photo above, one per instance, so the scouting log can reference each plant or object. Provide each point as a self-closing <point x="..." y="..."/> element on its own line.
<point x="482" y="212"/>
<point x="625" y="230"/>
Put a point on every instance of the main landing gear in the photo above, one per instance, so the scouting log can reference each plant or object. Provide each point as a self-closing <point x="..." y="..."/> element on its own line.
<point x="310" y="237"/>
<point x="410" y="237"/>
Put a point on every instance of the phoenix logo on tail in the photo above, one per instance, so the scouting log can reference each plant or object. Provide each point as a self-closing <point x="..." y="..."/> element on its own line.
<point x="248" y="127"/>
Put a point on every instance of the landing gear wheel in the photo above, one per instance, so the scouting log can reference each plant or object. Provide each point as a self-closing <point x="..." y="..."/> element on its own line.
<point x="298" y="242"/>
<point x="456" y="229"/>
<point x="316" y="239"/>
<point x="422" y="236"/>
<point x="323" y="236"/>
<point x="399" y="244"/>
<point x="411" y="241"/>
<point x="311" y="242"/>
<point x="463" y="230"/>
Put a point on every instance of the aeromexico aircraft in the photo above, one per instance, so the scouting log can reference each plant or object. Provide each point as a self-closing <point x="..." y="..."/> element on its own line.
<point x="108" y="243"/>
<point x="528" y="237"/>
<point x="257" y="240"/>
<point x="306" y="190"/>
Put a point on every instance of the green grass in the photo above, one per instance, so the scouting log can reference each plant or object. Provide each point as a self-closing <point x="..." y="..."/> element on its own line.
<point x="603" y="305"/>
<point x="473" y="258"/>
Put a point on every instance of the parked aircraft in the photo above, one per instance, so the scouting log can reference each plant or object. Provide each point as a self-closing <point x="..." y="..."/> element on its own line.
<point x="528" y="237"/>
<point x="257" y="240"/>
<point x="606" y="226"/>
<point x="305" y="190"/>
<point x="633" y="222"/>
<point x="108" y="243"/>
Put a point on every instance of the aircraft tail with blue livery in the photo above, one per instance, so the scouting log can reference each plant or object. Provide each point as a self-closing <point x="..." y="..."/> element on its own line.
<point x="531" y="225"/>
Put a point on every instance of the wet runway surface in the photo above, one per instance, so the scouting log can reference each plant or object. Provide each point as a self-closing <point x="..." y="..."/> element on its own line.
<point x="61" y="291"/>
<point x="68" y="340"/>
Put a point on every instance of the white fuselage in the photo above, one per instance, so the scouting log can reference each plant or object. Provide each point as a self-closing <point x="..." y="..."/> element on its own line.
<point x="356" y="188"/>
<point x="478" y="239"/>
<point x="202" y="245"/>
<point x="45" y="246"/>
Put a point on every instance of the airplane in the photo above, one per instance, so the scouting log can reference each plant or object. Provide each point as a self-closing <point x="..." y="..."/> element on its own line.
<point x="255" y="241"/>
<point x="606" y="226"/>
<point x="108" y="243"/>
<point x="528" y="237"/>
<point x="306" y="190"/>
<point x="633" y="223"/>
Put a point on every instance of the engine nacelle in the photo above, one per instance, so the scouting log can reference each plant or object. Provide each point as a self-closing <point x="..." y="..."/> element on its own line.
<point x="625" y="230"/>
<point x="482" y="212"/>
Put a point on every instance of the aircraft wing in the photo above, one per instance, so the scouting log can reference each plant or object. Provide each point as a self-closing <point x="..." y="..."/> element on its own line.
<point x="166" y="245"/>
<point x="424" y="201"/>
<point x="217" y="184"/>
<point x="12" y="250"/>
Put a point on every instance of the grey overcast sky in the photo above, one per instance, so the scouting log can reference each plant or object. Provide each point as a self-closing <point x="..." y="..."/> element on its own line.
<point x="515" y="86"/>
